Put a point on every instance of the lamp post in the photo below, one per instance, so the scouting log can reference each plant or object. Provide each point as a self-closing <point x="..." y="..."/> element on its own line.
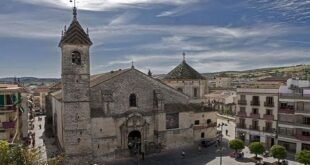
<point x="221" y="140"/>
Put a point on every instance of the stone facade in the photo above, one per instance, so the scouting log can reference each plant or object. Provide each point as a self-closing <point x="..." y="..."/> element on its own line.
<point x="110" y="115"/>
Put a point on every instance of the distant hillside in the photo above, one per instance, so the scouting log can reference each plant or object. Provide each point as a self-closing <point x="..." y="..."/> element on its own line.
<point x="29" y="80"/>
<point x="286" y="71"/>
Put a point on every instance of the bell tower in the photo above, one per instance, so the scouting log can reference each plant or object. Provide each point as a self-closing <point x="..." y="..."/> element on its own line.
<point x="75" y="77"/>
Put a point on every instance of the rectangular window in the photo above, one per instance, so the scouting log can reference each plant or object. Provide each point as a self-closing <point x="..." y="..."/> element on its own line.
<point x="306" y="120"/>
<point x="242" y="97"/>
<point x="255" y="123"/>
<point x="9" y="99"/>
<point x="268" y="112"/>
<point x="1" y="100"/>
<point x="255" y="111"/>
<point x="172" y="120"/>
<point x="255" y="99"/>
<point x="196" y="122"/>
<point x="269" y="100"/>
<point x="195" y="92"/>
<point x="242" y="109"/>
<point x="304" y="133"/>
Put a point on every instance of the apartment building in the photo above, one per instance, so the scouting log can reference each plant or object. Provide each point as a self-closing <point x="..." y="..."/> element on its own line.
<point x="11" y="127"/>
<point x="256" y="118"/>
<point x="294" y="115"/>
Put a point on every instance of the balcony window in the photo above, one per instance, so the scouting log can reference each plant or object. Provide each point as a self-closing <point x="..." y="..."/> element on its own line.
<point x="255" y="111"/>
<point x="268" y="112"/>
<point x="269" y="100"/>
<point x="305" y="133"/>
<point x="242" y="97"/>
<point x="306" y="120"/>
<point x="242" y="109"/>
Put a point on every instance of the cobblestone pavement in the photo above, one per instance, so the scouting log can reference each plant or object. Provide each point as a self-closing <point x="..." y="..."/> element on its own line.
<point x="208" y="156"/>
<point x="44" y="144"/>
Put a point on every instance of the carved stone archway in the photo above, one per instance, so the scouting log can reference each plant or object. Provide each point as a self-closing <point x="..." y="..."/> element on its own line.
<point x="133" y="122"/>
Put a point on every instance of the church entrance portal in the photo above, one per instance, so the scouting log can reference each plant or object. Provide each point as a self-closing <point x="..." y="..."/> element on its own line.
<point x="134" y="142"/>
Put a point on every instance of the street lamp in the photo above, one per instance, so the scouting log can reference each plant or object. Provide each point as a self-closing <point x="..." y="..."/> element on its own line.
<point x="221" y="139"/>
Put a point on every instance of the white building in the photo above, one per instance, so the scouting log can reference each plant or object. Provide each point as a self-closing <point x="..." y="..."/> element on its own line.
<point x="257" y="111"/>
<point x="294" y="115"/>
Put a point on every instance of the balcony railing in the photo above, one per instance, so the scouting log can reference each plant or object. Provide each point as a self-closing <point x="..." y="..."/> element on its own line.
<point x="267" y="104"/>
<point x="302" y="137"/>
<point x="240" y="125"/>
<point x="268" y="129"/>
<point x="268" y="117"/>
<point x="294" y="95"/>
<point x="242" y="102"/>
<point x="286" y="110"/>
<point x="302" y="111"/>
<point x="255" y="115"/>
<point x="8" y="124"/>
<point x="241" y="114"/>
<point x="255" y="103"/>
<point x="8" y="108"/>
<point x="256" y="128"/>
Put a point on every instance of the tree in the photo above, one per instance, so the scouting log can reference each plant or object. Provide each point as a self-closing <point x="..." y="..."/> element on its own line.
<point x="236" y="144"/>
<point x="16" y="154"/>
<point x="256" y="148"/>
<point x="303" y="157"/>
<point x="4" y="152"/>
<point x="278" y="152"/>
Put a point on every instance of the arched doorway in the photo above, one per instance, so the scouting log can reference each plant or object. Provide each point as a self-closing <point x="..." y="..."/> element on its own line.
<point x="134" y="142"/>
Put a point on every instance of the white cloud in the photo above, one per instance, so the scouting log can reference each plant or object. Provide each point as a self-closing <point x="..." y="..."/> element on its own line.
<point x="107" y="4"/>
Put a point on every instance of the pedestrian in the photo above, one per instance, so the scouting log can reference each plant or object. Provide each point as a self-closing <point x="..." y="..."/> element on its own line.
<point x="183" y="154"/>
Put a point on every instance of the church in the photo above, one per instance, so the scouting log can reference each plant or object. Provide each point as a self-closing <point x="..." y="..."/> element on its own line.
<point x="124" y="112"/>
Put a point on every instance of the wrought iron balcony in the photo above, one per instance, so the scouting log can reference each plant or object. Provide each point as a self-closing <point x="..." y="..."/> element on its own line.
<point x="241" y="114"/>
<point x="255" y="115"/>
<point x="266" y="104"/>
<point x="268" y="117"/>
<point x="286" y="110"/>
<point x="255" y="103"/>
<point x="269" y="129"/>
<point x="242" y="102"/>
<point x="256" y="128"/>
<point x="241" y="125"/>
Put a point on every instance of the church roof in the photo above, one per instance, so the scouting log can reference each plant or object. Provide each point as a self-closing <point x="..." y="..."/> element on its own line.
<point x="183" y="71"/>
<point x="99" y="78"/>
<point x="75" y="34"/>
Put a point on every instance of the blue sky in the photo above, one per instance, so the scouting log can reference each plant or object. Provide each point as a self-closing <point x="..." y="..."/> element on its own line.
<point x="217" y="35"/>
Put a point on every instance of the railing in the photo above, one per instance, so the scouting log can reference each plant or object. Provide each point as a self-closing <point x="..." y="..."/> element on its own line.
<point x="302" y="137"/>
<point x="255" y="115"/>
<point x="255" y="103"/>
<point x="302" y="111"/>
<point x="8" y="124"/>
<point x="268" y="129"/>
<point x="286" y="110"/>
<point x="242" y="126"/>
<point x="242" y="102"/>
<point x="268" y="117"/>
<point x="241" y="114"/>
<point x="266" y="104"/>
<point x="8" y="108"/>
<point x="256" y="128"/>
<point x="294" y="95"/>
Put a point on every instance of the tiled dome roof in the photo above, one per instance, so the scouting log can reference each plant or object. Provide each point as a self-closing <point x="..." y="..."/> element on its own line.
<point x="184" y="71"/>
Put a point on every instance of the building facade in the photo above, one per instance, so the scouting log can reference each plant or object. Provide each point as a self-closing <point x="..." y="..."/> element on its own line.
<point x="294" y="115"/>
<point x="257" y="109"/>
<point x="122" y="112"/>
<point x="12" y="124"/>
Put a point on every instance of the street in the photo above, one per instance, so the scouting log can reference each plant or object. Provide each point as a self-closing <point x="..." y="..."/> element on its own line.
<point x="208" y="156"/>
<point x="46" y="145"/>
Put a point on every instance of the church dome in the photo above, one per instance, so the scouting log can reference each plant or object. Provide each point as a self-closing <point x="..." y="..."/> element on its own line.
<point x="184" y="71"/>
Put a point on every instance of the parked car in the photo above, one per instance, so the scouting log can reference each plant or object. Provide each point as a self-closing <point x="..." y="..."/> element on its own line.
<point x="207" y="143"/>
